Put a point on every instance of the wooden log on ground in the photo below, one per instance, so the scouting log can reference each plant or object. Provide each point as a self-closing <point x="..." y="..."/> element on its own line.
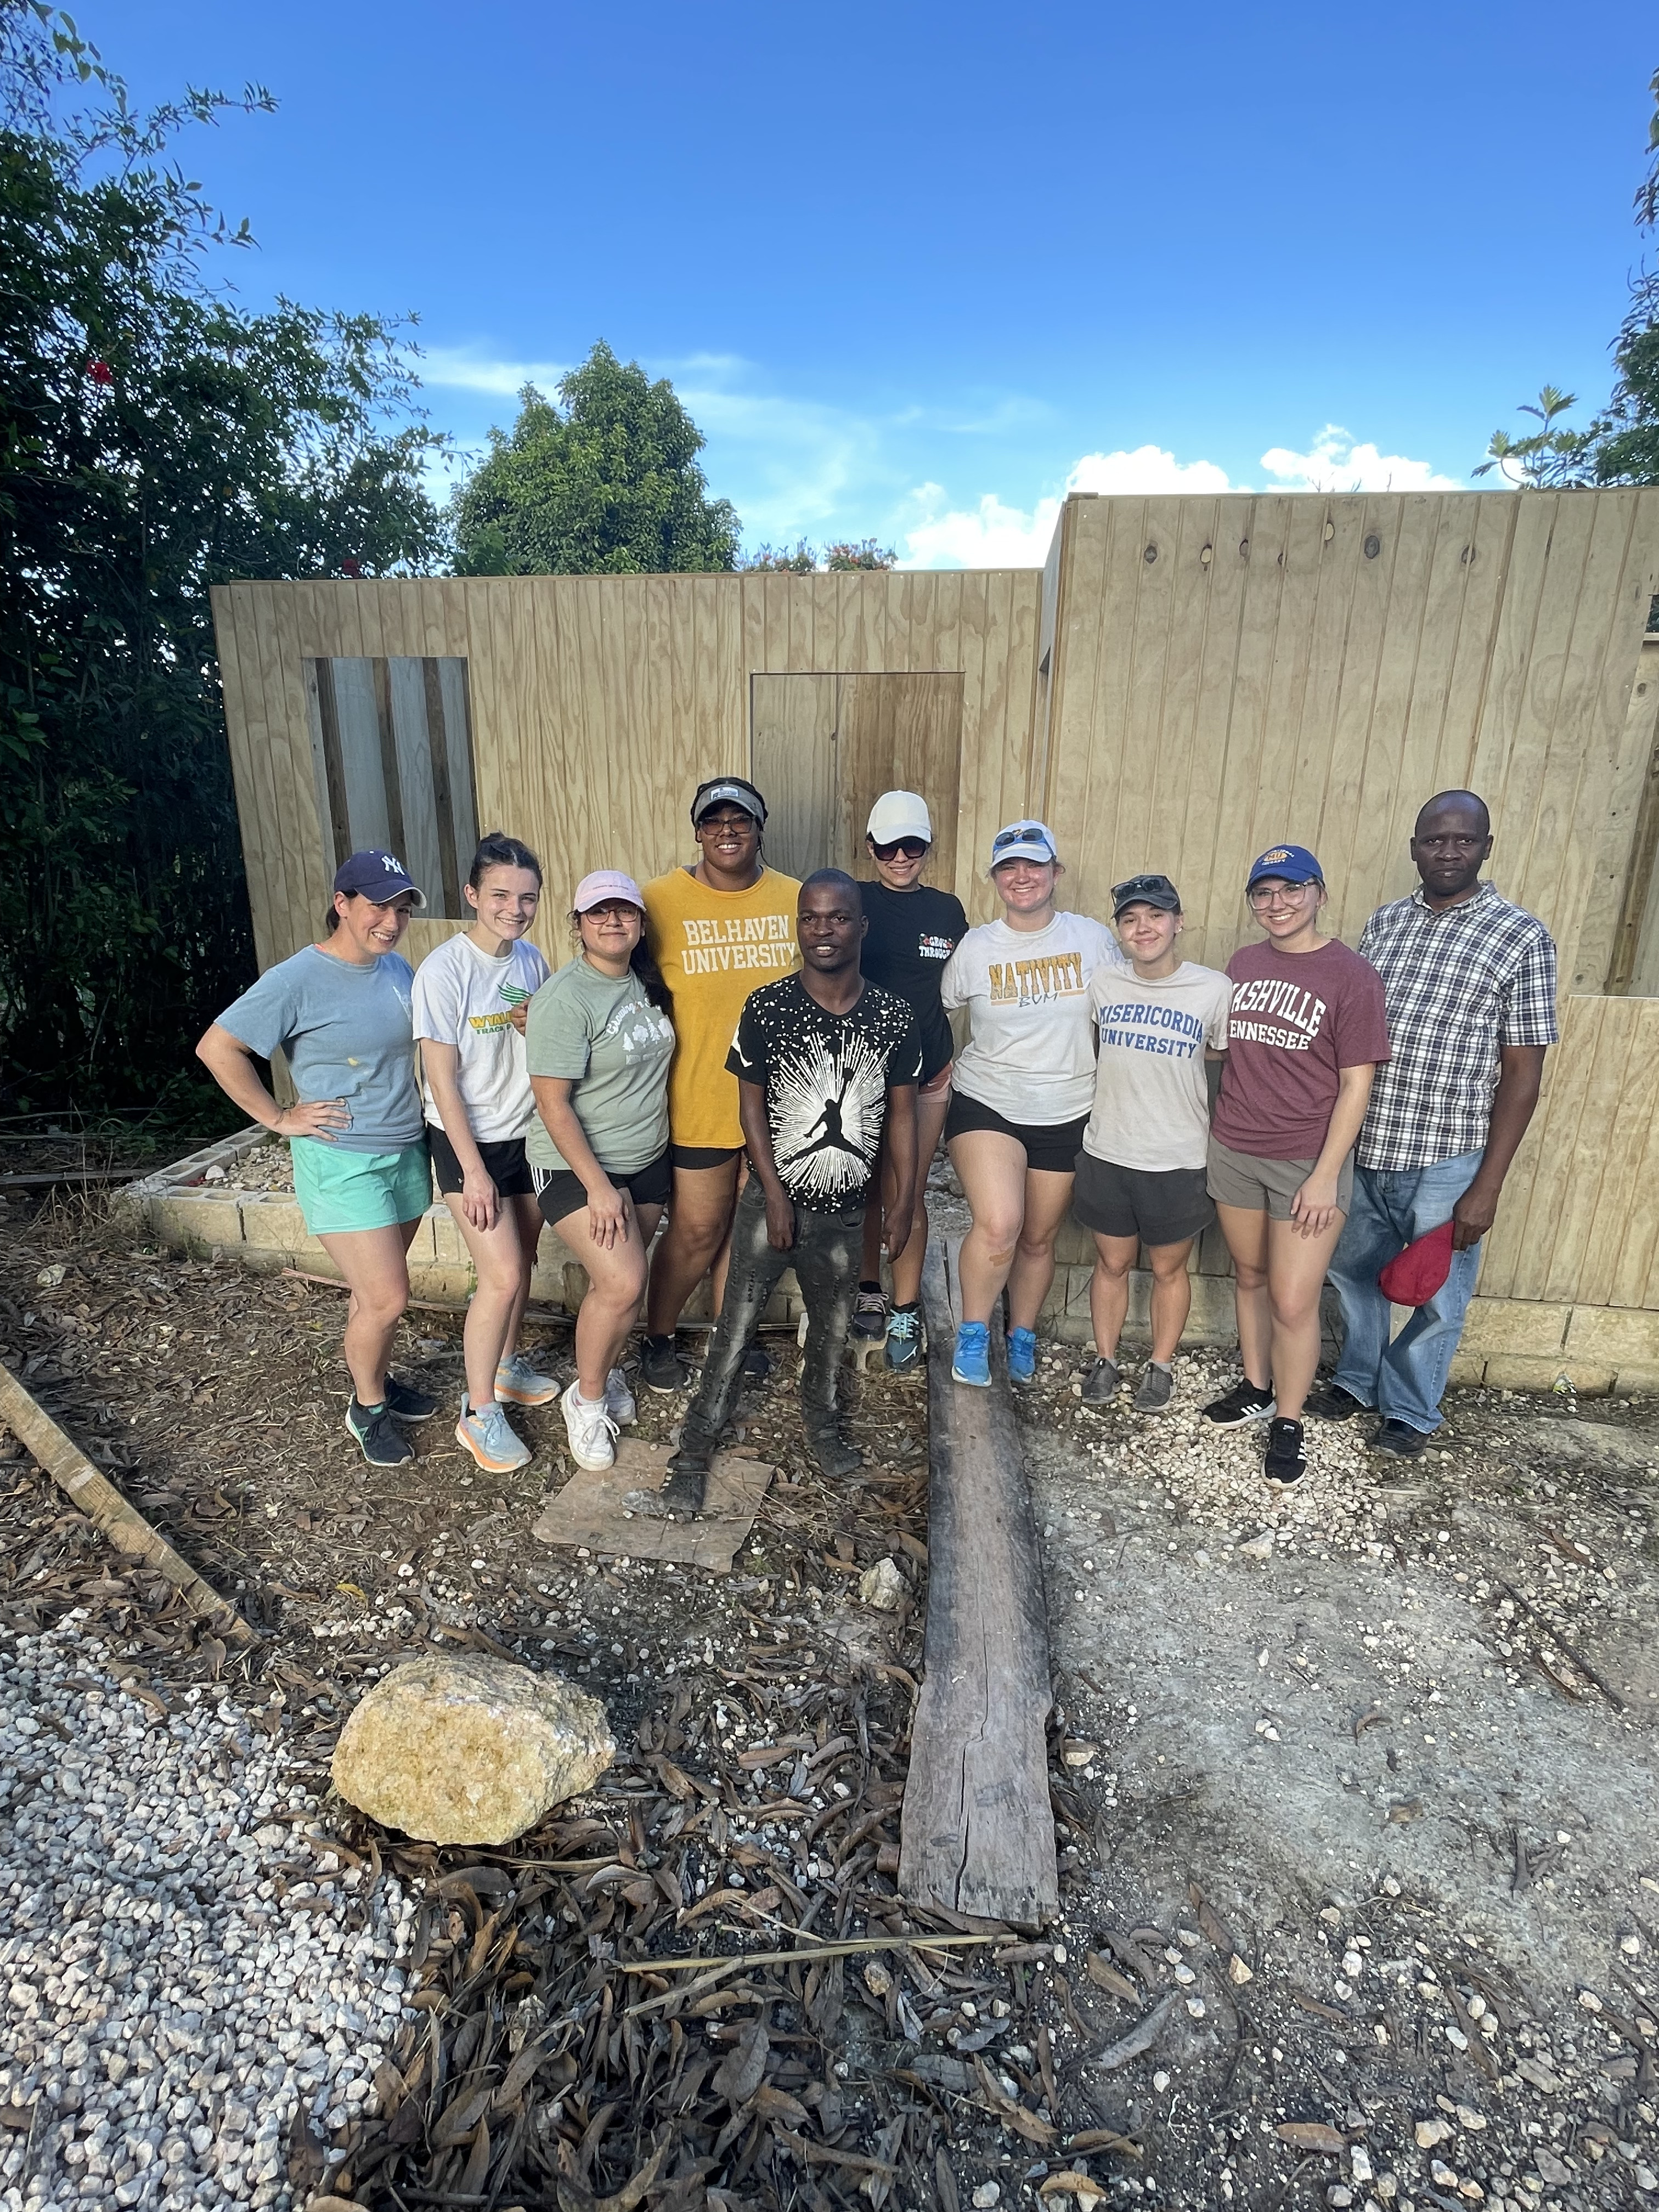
<point x="108" y="1511"/>
<point x="977" y="1832"/>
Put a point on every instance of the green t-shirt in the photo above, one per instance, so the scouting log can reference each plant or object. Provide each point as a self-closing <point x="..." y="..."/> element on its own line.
<point x="603" y="1035"/>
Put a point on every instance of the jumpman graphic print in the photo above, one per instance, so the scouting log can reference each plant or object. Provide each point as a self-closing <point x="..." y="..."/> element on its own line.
<point x="826" y="1080"/>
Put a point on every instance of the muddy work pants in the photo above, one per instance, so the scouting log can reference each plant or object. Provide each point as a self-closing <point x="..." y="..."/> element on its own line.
<point x="826" y="1257"/>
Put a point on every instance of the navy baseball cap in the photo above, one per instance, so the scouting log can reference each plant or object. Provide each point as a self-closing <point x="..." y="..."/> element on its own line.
<point x="381" y="877"/>
<point x="1290" y="863"/>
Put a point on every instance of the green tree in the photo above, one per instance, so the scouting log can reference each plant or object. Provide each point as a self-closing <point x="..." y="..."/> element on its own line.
<point x="802" y="559"/>
<point x="154" y="439"/>
<point x="604" y="483"/>
<point x="1621" y="444"/>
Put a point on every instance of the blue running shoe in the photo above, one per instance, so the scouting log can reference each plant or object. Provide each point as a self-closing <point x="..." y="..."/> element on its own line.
<point x="1022" y="1355"/>
<point x="971" y="1361"/>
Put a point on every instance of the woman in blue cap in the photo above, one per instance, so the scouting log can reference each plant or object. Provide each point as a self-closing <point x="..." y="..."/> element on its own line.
<point x="1307" y="1029"/>
<point x="341" y="1013"/>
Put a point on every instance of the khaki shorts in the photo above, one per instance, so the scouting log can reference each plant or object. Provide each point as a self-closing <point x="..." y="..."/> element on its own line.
<point x="1256" y="1185"/>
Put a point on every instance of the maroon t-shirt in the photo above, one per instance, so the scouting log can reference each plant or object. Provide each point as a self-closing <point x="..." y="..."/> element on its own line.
<point x="1297" y="1019"/>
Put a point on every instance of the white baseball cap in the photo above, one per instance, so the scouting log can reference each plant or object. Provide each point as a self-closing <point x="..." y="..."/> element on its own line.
<point x="898" y="814"/>
<point x="1024" y="840"/>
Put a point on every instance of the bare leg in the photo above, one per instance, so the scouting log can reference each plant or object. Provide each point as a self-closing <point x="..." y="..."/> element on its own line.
<point x="1109" y="1289"/>
<point x="698" y="1227"/>
<point x="907" y="1266"/>
<point x="1172" y="1296"/>
<point x="501" y="1262"/>
<point x="1048" y="1196"/>
<point x="992" y="1169"/>
<point x="1296" y="1272"/>
<point x="1246" y="1232"/>
<point x="616" y="1283"/>
<point x="374" y="1264"/>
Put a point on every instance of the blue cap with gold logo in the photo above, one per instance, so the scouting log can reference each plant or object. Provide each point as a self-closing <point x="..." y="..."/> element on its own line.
<point x="1289" y="864"/>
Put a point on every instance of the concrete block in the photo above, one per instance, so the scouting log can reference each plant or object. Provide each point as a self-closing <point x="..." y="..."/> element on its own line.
<point x="448" y="1245"/>
<point x="1074" y="1247"/>
<point x="1626" y="1336"/>
<point x="1506" y="1371"/>
<point x="430" y="1280"/>
<point x="273" y="1223"/>
<point x="1521" y="1329"/>
<point x="185" y="1222"/>
<point x="422" y="1251"/>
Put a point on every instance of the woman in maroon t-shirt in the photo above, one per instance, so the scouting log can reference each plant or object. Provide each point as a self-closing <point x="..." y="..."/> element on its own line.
<point x="1307" y="1030"/>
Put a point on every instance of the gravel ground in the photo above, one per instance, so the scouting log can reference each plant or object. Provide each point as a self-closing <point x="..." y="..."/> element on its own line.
<point x="181" y="1993"/>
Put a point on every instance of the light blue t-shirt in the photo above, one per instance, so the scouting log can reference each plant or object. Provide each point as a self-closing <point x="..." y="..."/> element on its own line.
<point x="346" y="1033"/>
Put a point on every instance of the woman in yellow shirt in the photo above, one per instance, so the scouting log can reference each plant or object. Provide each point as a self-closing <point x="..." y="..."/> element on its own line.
<point x="717" y="931"/>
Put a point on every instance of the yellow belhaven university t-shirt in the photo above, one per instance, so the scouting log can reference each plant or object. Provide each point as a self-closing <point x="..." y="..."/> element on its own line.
<point x="715" y="948"/>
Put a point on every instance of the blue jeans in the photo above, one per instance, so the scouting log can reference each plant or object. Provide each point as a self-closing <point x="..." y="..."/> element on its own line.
<point x="1392" y="1207"/>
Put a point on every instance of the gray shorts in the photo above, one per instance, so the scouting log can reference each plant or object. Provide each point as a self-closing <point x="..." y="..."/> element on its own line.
<point x="1255" y="1185"/>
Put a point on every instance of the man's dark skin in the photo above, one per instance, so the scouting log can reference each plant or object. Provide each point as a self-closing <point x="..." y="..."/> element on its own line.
<point x="831" y="925"/>
<point x="1451" y="843"/>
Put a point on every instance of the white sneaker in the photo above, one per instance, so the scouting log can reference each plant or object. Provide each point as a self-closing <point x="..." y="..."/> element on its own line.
<point x="619" y="1399"/>
<point x="518" y="1381"/>
<point x="590" y="1429"/>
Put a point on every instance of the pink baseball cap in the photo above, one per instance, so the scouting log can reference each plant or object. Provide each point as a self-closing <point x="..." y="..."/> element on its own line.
<point x="607" y="883"/>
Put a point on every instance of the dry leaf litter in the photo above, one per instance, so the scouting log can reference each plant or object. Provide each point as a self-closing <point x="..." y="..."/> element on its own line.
<point x="1292" y="1967"/>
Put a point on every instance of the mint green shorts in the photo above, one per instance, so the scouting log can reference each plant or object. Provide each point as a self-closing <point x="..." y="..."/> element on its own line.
<point x="340" y="1191"/>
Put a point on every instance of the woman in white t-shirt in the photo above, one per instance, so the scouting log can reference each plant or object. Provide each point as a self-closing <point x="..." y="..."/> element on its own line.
<point x="470" y="998"/>
<point x="1140" y="1174"/>
<point x="1023" y="1084"/>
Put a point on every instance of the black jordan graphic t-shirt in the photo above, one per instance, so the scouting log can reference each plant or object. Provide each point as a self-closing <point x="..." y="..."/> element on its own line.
<point x="826" y="1078"/>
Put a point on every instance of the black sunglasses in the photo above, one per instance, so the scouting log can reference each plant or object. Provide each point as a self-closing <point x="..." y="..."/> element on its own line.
<point x="1156" y="888"/>
<point x="914" y="848"/>
<point x="1021" y="833"/>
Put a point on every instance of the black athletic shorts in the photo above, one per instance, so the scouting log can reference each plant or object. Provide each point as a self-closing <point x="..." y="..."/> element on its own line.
<point x="509" y="1170"/>
<point x="702" y="1156"/>
<point x="1051" y="1148"/>
<point x="1159" y="1207"/>
<point x="559" y="1193"/>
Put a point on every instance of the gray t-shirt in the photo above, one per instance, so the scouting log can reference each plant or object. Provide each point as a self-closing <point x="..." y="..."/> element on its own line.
<point x="1152" y="1103"/>
<point x="346" y="1033"/>
<point x="603" y="1035"/>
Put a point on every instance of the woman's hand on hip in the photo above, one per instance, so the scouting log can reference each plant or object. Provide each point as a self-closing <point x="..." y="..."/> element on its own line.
<point x="312" y="1117"/>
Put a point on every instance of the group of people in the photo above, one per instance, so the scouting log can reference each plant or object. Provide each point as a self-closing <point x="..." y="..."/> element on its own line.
<point x="774" y="1062"/>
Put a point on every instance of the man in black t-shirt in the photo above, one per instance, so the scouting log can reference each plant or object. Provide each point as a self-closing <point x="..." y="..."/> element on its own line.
<point x="824" y="1061"/>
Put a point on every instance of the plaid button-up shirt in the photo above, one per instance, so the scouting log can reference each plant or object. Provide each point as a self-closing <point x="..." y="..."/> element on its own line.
<point x="1459" y="984"/>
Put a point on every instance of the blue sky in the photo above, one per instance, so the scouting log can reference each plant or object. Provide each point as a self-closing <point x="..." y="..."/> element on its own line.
<point x="917" y="269"/>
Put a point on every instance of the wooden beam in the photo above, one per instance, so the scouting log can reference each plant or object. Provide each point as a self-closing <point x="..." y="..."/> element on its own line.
<point x="977" y="1829"/>
<point x="109" y="1512"/>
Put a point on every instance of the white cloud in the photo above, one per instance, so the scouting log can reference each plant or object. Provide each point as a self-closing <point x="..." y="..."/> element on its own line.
<point x="459" y="369"/>
<point x="993" y="535"/>
<point x="1335" y="463"/>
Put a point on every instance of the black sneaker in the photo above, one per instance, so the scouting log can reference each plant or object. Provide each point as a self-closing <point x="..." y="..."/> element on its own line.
<point x="835" y="1456"/>
<point x="661" y="1367"/>
<point x="380" y="1439"/>
<point x="1100" y="1384"/>
<point x="1287" y="1461"/>
<point x="1243" y="1403"/>
<point x="1333" y="1403"/>
<point x="1400" y="1439"/>
<point x="869" y="1312"/>
<point x="686" y="1483"/>
<point x="406" y="1403"/>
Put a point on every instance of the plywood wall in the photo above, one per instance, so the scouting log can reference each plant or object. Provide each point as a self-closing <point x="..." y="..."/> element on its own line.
<point x="1230" y="672"/>
<point x="599" y="702"/>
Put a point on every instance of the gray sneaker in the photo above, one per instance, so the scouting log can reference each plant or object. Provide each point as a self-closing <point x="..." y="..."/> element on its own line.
<point x="1155" y="1389"/>
<point x="1101" y="1383"/>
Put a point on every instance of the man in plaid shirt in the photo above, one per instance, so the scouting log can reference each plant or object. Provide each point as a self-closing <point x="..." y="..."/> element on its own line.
<point x="1470" y="984"/>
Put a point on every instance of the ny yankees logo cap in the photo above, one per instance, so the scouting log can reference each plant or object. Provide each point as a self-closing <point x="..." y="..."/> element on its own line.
<point x="381" y="877"/>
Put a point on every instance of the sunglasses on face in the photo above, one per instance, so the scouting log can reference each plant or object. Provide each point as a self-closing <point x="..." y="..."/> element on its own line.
<point x="914" y="848"/>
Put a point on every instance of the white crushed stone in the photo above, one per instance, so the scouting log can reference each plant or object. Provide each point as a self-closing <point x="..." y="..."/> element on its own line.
<point x="167" y="2010"/>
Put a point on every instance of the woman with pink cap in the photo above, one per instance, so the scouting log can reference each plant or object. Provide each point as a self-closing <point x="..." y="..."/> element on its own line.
<point x="599" y="1040"/>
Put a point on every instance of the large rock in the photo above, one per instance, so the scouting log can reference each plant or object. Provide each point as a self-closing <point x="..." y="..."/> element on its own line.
<point x="470" y="1750"/>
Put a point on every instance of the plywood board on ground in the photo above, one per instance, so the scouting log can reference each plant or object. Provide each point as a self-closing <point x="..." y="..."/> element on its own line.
<point x="613" y="1511"/>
